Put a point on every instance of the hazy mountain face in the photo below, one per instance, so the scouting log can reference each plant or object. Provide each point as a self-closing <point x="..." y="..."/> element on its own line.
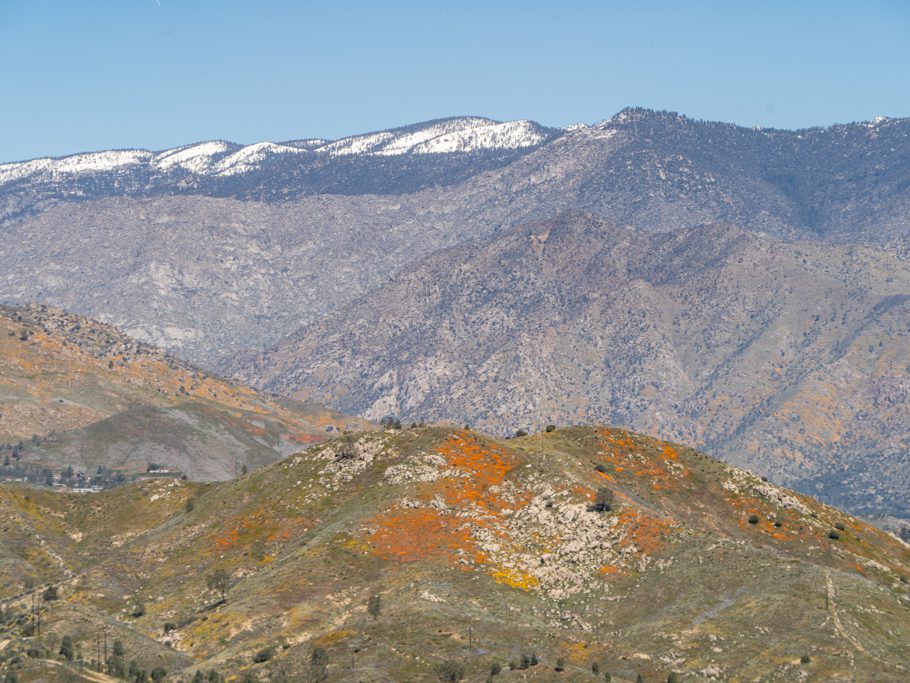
<point x="394" y="264"/>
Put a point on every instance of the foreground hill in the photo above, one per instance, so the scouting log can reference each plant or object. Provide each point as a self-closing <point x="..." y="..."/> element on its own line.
<point x="586" y="549"/>
<point x="79" y="393"/>
<point x="790" y="358"/>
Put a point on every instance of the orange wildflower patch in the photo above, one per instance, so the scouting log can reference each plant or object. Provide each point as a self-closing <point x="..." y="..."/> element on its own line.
<point x="610" y="569"/>
<point x="412" y="534"/>
<point x="650" y="459"/>
<point x="227" y="539"/>
<point x="257" y="524"/>
<point x="584" y="492"/>
<point x="486" y="467"/>
<point x="746" y="504"/>
<point x="288" y="529"/>
<point x="644" y="531"/>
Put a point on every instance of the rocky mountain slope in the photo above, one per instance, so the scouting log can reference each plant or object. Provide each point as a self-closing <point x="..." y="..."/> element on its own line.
<point x="218" y="252"/>
<point x="791" y="358"/>
<point x="393" y="554"/>
<point x="211" y="265"/>
<point x="74" y="392"/>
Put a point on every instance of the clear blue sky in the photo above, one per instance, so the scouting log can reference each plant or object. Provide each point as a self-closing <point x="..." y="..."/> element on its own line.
<point x="77" y="75"/>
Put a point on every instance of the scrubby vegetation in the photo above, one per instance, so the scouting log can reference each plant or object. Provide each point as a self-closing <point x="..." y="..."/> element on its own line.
<point x="418" y="550"/>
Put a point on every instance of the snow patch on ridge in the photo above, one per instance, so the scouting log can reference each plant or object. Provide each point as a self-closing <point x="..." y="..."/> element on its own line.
<point x="195" y="158"/>
<point x="77" y="163"/>
<point x="509" y="135"/>
<point x="250" y="158"/>
<point x="403" y="144"/>
<point x="359" y="144"/>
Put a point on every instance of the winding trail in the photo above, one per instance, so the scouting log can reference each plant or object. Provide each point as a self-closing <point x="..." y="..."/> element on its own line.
<point x="839" y="626"/>
<point x="835" y="617"/>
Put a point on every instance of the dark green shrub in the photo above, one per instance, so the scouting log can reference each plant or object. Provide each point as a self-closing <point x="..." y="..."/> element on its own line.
<point x="169" y="626"/>
<point x="550" y="428"/>
<point x="520" y="433"/>
<point x="374" y="605"/>
<point x="158" y="674"/>
<point x="595" y="668"/>
<point x="753" y="519"/>
<point x="560" y="665"/>
<point x="839" y="526"/>
<point x="805" y="659"/>
<point x="50" y="593"/>
<point x="264" y="655"/>
<point x="450" y="671"/>
<point x="833" y="535"/>
<point x="390" y="422"/>
<point x="495" y="669"/>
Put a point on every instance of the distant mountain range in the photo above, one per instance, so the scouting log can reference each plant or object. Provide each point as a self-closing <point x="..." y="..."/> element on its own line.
<point x="387" y="162"/>
<point x="743" y="288"/>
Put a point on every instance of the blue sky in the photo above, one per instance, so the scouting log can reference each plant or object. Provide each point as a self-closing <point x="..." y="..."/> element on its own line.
<point x="80" y="75"/>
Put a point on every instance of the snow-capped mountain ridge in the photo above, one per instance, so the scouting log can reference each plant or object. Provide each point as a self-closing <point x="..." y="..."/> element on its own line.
<point x="222" y="158"/>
